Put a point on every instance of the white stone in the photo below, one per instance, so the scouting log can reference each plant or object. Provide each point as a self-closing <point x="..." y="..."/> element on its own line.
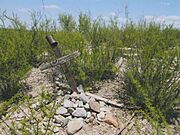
<point x="104" y="109"/>
<point x="80" y="89"/>
<point x="65" y="122"/>
<point x="68" y="104"/>
<point x="61" y="111"/>
<point x="74" y="126"/>
<point x="88" y="114"/>
<point x="67" y="97"/>
<point x="80" y="104"/>
<point x="101" y="116"/>
<point x="86" y="106"/>
<point x="75" y="105"/>
<point x="102" y="104"/>
<point x="56" y="129"/>
<point x="79" y="112"/>
<point x="83" y="98"/>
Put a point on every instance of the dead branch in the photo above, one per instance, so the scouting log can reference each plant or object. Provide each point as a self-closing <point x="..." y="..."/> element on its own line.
<point x="104" y="100"/>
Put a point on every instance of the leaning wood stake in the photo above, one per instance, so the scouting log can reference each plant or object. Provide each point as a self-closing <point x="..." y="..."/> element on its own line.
<point x="126" y="125"/>
<point x="58" y="53"/>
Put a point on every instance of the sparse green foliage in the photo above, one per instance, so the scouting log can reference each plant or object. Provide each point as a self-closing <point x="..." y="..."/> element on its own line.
<point x="153" y="74"/>
<point x="31" y="123"/>
<point x="67" y="22"/>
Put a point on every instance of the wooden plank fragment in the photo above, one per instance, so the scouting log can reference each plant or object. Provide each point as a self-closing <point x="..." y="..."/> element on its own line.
<point x="60" y="61"/>
<point x="104" y="100"/>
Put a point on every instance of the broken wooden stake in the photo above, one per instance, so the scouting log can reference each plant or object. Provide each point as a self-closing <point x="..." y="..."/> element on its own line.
<point x="58" y="53"/>
<point x="126" y="125"/>
<point x="60" y="61"/>
<point x="104" y="100"/>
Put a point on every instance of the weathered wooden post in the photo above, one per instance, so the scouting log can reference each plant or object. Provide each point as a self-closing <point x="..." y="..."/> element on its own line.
<point x="59" y="54"/>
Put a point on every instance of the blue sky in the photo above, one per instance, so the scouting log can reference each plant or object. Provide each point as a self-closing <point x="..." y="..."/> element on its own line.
<point x="158" y="10"/>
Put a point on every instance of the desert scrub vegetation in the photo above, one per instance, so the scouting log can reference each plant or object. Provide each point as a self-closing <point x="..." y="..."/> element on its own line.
<point x="33" y="114"/>
<point x="152" y="77"/>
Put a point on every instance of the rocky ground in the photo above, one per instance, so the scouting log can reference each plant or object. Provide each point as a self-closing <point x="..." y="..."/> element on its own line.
<point x="74" y="113"/>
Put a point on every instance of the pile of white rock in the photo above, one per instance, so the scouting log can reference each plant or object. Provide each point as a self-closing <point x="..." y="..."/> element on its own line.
<point x="77" y="109"/>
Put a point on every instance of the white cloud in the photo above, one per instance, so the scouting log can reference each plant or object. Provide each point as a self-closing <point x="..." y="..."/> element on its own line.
<point x="175" y="20"/>
<point x="114" y="15"/>
<point x="50" y="6"/>
<point x="163" y="18"/>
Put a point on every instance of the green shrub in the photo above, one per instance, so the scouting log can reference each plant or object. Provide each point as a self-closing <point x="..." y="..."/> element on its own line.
<point x="20" y="49"/>
<point x="153" y="77"/>
<point x="67" y="22"/>
<point x="99" y="47"/>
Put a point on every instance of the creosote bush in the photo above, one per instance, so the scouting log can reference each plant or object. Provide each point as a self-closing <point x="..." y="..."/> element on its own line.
<point x="152" y="78"/>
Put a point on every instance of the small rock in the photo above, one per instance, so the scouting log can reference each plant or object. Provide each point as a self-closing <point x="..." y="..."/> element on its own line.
<point x="86" y="106"/>
<point x="66" y="114"/>
<point x="74" y="126"/>
<point x="35" y="106"/>
<point x="61" y="111"/>
<point x="92" y="99"/>
<point x="103" y="109"/>
<point x="58" y="125"/>
<point x="33" y="94"/>
<point x="91" y="119"/>
<point x="32" y="121"/>
<point x="65" y="122"/>
<point x="94" y="106"/>
<point x="56" y="129"/>
<point x="58" y="83"/>
<point x="70" y="110"/>
<point x="60" y="92"/>
<point x="70" y="117"/>
<point x="83" y="98"/>
<point x="110" y="119"/>
<point x="79" y="112"/>
<point x="19" y="127"/>
<point x="46" y="119"/>
<point x="101" y="116"/>
<point x="102" y="104"/>
<point x="80" y="89"/>
<point x="21" y="115"/>
<point x="68" y="104"/>
<point x="57" y="79"/>
<point x="75" y="105"/>
<point x="58" y="119"/>
<point x="73" y="100"/>
<point x="87" y="120"/>
<point x="58" y="101"/>
<point x="74" y="95"/>
<point x="95" y="122"/>
<point x="94" y="114"/>
<point x="46" y="102"/>
<point x="80" y="104"/>
<point x="88" y="114"/>
<point x="67" y="97"/>
<point x="19" y="119"/>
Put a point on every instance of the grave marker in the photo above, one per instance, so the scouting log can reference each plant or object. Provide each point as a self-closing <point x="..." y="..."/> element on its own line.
<point x="61" y="60"/>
